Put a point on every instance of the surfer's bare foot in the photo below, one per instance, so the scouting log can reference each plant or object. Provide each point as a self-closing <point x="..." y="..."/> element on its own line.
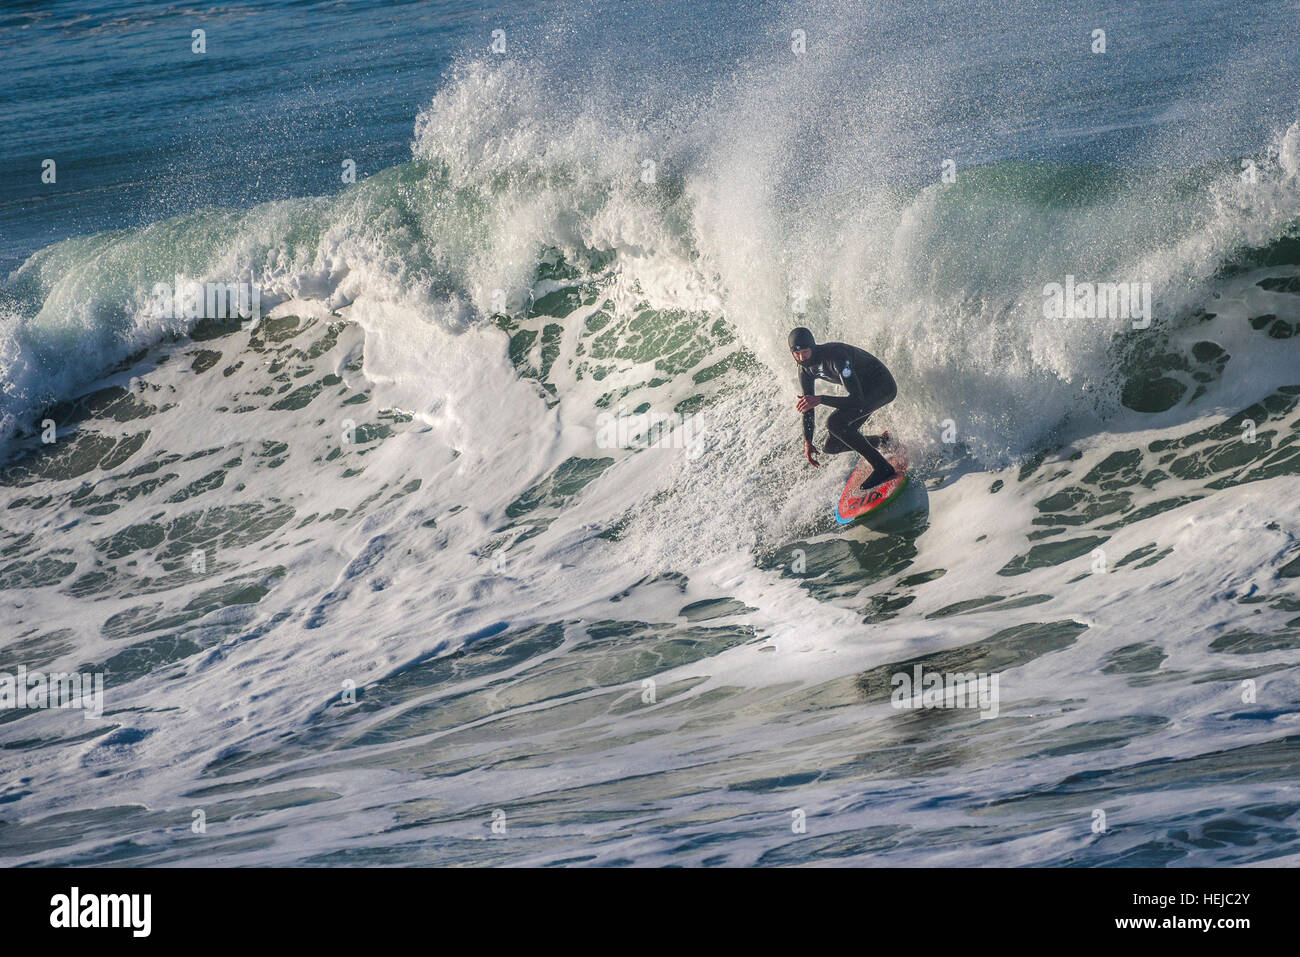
<point x="878" y="477"/>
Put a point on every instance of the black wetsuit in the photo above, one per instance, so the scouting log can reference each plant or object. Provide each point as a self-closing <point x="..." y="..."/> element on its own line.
<point x="869" y="385"/>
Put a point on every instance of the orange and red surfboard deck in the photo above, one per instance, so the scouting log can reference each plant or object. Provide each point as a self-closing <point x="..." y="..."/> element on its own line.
<point x="855" y="504"/>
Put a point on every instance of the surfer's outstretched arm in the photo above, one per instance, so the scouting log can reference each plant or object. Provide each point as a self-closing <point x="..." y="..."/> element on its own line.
<point x="808" y="391"/>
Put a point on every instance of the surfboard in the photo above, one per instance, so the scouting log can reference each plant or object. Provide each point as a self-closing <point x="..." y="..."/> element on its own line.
<point x="855" y="504"/>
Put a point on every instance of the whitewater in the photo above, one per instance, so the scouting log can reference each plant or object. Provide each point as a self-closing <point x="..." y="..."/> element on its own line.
<point x="367" y="585"/>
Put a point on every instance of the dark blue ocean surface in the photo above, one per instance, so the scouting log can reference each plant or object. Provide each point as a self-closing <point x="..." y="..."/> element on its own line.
<point x="142" y="128"/>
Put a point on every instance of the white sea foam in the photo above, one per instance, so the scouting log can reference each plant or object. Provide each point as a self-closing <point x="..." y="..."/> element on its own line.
<point x="515" y="195"/>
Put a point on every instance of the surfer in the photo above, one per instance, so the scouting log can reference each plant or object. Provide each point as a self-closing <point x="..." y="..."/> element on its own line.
<point x="870" y="386"/>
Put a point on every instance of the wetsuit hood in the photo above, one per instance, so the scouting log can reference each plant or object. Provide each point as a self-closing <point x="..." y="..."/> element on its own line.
<point x="801" y="338"/>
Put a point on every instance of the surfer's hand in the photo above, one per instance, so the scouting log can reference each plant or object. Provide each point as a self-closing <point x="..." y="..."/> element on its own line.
<point x="809" y="450"/>
<point x="807" y="402"/>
